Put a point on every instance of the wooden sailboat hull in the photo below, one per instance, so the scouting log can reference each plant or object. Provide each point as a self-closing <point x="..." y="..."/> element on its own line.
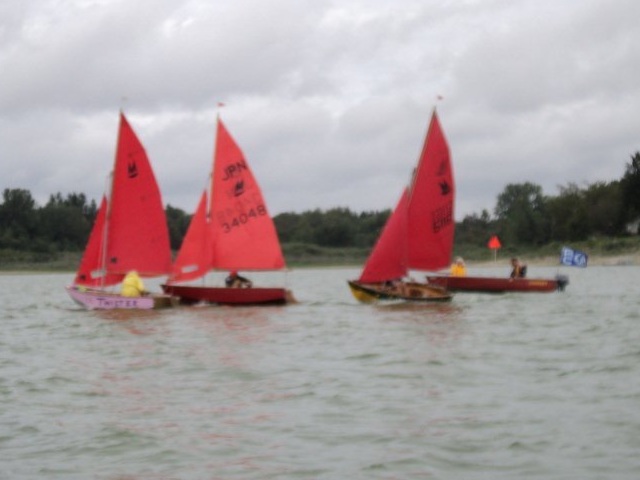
<point x="229" y="296"/>
<point x="93" y="299"/>
<point x="408" y="291"/>
<point x="499" y="284"/>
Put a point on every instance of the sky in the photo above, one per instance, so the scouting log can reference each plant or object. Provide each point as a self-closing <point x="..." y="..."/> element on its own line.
<point x="329" y="99"/>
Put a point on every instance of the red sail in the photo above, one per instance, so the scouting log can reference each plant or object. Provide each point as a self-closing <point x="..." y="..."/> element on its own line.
<point x="244" y="236"/>
<point x="130" y="231"/>
<point x="388" y="260"/>
<point x="431" y="204"/>
<point x="138" y="238"/>
<point x="90" y="272"/>
<point x="194" y="258"/>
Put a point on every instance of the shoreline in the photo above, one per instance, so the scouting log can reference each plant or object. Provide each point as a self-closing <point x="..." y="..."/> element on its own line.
<point x="620" y="260"/>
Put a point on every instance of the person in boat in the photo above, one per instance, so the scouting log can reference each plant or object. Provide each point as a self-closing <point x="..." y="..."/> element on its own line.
<point x="396" y="286"/>
<point x="237" y="281"/>
<point x="458" y="268"/>
<point x="518" y="269"/>
<point x="392" y="285"/>
<point x="132" y="285"/>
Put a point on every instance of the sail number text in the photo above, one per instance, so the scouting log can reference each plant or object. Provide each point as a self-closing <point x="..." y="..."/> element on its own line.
<point x="244" y="218"/>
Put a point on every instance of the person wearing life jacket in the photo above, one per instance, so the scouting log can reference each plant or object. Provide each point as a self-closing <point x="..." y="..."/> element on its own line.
<point x="132" y="285"/>
<point x="458" y="268"/>
<point x="236" y="281"/>
<point x="518" y="269"/>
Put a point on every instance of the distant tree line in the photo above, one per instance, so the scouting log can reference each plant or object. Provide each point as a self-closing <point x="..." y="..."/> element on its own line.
<point x="63" y="224"/>
<point x="523" y="215"/>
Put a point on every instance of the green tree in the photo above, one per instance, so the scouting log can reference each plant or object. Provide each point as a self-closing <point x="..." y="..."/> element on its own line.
<point x="286" y="224"/>
<point x="336" y="228"/>
<point x="369" y="225"/>
<point x="605" y="206"/>
<point x="306" y="231"/>
<point x="630" y="184"/>
<point x="568" y="214"/>
<point x="520" y="210"/>
<point x="17" y="218"/>
<point x="177" y="223"/>
<point x="475" y="229"/>
<point x="65" y="223"/>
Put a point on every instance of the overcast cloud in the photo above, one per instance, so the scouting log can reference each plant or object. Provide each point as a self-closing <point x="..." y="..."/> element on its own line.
<point x="329" y="100"/>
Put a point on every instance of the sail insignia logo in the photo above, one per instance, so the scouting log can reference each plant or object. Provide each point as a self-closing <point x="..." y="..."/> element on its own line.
<point x="238" y="188"/>
<point x="445" y="188"/>
<point x="132" y="170"/>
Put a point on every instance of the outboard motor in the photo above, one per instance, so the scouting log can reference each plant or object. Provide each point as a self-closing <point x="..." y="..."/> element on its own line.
<point x="563" y="281"/>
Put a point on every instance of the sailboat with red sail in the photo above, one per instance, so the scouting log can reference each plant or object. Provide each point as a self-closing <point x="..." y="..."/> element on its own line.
<point x="129" y="233"/>
<point x="418" y="234"/>
<point x="231" y="230"/>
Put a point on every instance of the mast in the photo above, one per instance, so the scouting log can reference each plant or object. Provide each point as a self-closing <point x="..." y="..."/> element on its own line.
<point x="105" y="232"/>
<point x="209" y="193"/>
<point x="107" y="218"/>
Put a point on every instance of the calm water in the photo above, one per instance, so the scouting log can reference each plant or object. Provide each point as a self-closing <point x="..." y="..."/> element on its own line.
<point x="513" y="386"/>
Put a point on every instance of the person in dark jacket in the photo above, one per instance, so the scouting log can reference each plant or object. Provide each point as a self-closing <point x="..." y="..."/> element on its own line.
<point x="237" y="281"/>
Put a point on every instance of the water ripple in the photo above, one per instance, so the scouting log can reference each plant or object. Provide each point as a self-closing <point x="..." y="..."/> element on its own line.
<point x="504" y="386"/>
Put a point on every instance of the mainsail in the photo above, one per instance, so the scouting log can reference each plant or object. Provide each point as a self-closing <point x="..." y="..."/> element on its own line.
<point x="430" y="217"/>
<point x="232" y="228"/>
<point x="130" y="231"/>
<point x="245" y="236"/>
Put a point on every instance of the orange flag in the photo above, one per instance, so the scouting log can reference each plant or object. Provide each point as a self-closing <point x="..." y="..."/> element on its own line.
<point x="494" y="243"/>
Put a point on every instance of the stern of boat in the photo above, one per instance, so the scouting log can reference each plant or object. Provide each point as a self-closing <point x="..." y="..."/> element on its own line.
<point x="563" y="281"/>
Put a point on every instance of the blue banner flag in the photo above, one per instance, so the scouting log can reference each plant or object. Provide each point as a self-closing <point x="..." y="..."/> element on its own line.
<point x="573" y="258"/>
